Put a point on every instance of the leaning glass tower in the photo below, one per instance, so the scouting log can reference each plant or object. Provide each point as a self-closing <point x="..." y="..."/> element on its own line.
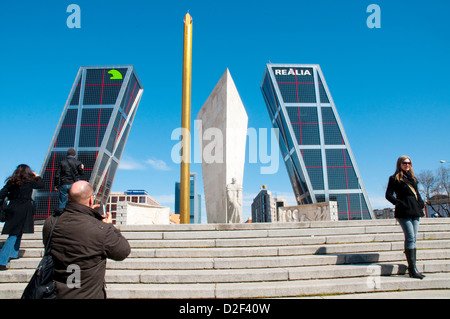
<point x="96" y="121"/>
<point x="315" y="149"/>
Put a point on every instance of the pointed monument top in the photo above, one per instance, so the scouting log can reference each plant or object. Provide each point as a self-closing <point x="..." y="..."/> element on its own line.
<point x="187" y="18"/>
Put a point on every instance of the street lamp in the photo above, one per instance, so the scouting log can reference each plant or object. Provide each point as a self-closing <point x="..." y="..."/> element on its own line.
<point x="442" y="162"/>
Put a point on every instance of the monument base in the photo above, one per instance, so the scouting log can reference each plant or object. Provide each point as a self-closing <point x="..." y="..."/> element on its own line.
<point x="311" y="212"/>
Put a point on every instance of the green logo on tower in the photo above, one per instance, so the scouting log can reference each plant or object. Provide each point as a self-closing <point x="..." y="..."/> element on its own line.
<point x="115" y="75"/>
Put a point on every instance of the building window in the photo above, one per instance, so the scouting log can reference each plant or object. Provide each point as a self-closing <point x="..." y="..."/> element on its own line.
<point x="341" y="174"/>
<point x="332" y="133"/>
<point x="305" y="125"/>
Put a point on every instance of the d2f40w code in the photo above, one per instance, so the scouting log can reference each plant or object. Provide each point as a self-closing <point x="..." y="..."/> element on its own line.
<point x="246" y="308"/>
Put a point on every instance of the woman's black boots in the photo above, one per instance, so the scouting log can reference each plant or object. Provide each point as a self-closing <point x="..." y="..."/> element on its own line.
<point x="411" y="258"/>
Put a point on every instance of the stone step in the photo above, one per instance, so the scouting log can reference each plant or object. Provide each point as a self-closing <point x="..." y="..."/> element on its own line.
<point x="324" y="286"/>
<point x="205" y="231"/>
<point x="253" y="262"/>
<point x="260" y="226"/>
<point x="267" y="289"/>
<point x="278" y="288"/>
<point x="270" y="274"/>
<point x="278" y="233"/>
<point x="285" y="241"/>
<point x="246" y="275"/>
<point x="222" y="275"/>
<point x="254" y="251"/>
<point x="283" y="250"/>
<point x="286" y="237"/>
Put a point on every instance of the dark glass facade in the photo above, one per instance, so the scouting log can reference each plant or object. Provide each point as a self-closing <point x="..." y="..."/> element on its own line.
<point x="95" y="122"/>
<point x="313" y="144"/>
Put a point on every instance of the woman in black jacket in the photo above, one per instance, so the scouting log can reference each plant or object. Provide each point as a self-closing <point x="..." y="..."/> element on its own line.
<point x="20" y="210"/>
<point x="408" y="208"/>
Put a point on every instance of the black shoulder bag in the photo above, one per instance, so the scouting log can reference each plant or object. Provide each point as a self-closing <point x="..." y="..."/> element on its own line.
<point x="3" y="207"/>
<point x="41" y="285"/>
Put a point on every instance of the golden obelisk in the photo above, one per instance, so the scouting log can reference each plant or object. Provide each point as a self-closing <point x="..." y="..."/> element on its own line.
<point x="186" y="123"/>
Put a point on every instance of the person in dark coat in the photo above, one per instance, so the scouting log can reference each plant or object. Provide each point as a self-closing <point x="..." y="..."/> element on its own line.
<point x="68" y="172"/>
<point x="81" y="242"/>
<point x="408" y="208"/>
<point x="20" y="210"/>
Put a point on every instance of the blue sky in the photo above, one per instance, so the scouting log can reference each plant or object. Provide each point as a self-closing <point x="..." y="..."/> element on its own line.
<point x="390" y="85"/>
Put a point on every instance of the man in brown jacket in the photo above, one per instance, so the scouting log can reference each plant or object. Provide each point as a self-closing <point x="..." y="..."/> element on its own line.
<point x="81" y="242"/>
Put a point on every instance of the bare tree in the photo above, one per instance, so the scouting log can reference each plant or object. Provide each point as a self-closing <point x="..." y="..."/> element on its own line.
<point x="428" y="183"/>
<point x="444" y="179"/>
<point x="435" y="189"/>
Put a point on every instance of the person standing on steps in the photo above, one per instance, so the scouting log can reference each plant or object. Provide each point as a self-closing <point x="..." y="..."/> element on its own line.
<point x="20" y="210"/>
<point x="408" y="208"/>
<point x="68" y="172"/>
<point x="81" y="242"/>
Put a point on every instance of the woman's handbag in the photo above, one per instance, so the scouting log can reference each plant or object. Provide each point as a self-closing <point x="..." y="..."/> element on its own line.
<point x="3" y="210"/>
<point x="41" y="285"/>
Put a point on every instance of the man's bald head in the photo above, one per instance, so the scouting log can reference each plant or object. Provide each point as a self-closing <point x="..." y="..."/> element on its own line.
<point x="80" y="192"/>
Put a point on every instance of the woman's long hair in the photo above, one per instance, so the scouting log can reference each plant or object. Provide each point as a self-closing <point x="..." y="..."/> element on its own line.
<point x="23" y="174"/>
<point x="399" y="172"/>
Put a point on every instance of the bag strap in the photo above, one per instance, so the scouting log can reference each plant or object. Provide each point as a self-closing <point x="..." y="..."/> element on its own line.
<point x="412" y="189"/>
<point x="47" y="247"/>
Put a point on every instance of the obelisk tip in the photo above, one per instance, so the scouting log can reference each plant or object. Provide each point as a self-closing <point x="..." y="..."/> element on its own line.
<point x="187" y="18"/>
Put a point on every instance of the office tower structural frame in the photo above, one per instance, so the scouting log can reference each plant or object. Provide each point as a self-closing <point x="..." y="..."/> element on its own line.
<point x="96" y="122"/>
<point x="314" y="146"/>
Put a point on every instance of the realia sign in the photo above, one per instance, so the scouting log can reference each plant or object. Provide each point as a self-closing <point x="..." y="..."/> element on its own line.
<point x="292" y="71"/>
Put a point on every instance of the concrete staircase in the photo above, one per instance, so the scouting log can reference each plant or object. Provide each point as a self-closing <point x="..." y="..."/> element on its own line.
<point x="260" y="260"/>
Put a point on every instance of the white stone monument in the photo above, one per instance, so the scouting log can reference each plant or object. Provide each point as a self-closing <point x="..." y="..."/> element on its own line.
<point x="234" y="202"/>
<point x="222" y="127"/>
<point x="310" y="212"/>
<point x="129" y="213"/>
